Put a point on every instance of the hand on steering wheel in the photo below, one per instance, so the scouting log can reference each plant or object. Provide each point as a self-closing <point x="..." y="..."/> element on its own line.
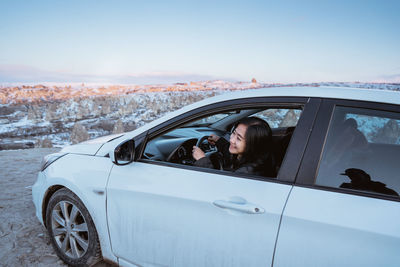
<point x="201" y="140"/>
<point x="215" y="157"/>
<point x="212" y="139"/>
<point x="197" y="153"/>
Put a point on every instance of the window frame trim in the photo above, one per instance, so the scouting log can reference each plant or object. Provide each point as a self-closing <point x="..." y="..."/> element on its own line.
<point x="309" y="104"/>
<point x="313" y="154"/>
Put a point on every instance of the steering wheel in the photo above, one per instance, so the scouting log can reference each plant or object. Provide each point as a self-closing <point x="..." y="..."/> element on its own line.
<point x="201" y="140"/>
<point x="215" y="157"/>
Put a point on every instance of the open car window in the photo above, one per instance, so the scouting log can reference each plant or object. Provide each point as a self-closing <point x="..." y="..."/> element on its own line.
<point x="174" y="146"/>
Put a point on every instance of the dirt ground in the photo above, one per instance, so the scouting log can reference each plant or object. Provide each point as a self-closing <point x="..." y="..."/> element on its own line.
<point x="23" y="240"/>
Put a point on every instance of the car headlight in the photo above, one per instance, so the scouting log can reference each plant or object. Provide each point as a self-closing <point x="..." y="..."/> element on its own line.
<point x="49" y="159"/>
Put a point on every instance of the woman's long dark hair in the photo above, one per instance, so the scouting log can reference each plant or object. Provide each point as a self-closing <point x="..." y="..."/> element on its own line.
<point x="258" y="149"/>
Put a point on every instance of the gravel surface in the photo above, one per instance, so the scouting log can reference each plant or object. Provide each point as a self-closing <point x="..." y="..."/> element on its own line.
<point x="23" y="240"/>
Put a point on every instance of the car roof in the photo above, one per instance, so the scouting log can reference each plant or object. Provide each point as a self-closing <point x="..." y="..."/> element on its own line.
<point x="381" y="96"/>
<point x="347" y="93"/>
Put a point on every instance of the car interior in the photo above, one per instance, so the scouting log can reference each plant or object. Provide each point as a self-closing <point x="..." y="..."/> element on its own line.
<point x="175" y="146"/>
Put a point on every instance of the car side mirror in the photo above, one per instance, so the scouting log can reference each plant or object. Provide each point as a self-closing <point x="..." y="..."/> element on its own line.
<point x="124" y="153"/>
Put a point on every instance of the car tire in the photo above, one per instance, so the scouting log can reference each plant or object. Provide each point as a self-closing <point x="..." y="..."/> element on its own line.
<point x="71" y="229"/>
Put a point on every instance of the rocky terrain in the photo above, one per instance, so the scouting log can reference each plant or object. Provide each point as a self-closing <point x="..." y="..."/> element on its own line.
<point x="54" y="116"/>
<point x="56" y="123"/>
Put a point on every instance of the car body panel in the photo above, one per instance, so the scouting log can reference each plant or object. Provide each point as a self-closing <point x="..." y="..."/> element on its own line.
<point x="90" y="147"/>
<point x="333" y="226"/>
<point x="39" y="190"/>
<point x="323" y="228"/>
<point x="86" y="177"/>
<point x="170" y="219"/>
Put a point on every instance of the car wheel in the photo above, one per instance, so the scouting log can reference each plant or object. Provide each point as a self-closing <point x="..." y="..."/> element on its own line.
<point x="71" y="229"/>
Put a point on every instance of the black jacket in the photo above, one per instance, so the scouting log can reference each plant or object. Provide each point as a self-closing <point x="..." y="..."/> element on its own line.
<point x="263" y="166"/>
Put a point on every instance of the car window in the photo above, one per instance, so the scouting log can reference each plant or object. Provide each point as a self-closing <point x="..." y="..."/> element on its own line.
<point x="377" y="129"/>
<point x="176" y="145"/>
<point x="210" y="119"/>
<point x="361" y="151"/>
<point x="280" y="117"/>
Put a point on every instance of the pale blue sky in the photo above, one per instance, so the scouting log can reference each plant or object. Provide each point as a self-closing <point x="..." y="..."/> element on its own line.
<point x="273" y="41"/>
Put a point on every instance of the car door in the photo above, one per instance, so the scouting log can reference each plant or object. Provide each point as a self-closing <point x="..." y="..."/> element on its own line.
<point x="162" y="214"/>
<point x="344" y="210"/>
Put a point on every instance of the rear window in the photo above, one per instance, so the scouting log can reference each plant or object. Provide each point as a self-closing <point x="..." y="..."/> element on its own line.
<point x="378" y="129"/>
<point x="362" y="151"/>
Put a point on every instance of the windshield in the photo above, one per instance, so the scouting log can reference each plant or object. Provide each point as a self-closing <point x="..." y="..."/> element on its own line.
<point x="210" y="119"/>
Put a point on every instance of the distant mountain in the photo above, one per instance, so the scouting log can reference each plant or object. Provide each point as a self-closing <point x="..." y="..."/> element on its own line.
<point x="26" y="74"/>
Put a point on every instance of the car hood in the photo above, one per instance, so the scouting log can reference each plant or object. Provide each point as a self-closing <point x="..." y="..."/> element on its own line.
<point x="90" y="147"/>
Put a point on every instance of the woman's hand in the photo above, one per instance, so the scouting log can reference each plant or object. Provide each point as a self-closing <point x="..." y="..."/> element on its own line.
<point x="197" y="153"/>
<point x="212" y="139"/>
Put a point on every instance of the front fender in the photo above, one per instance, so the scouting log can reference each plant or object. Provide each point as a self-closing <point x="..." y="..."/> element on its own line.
<point x="86" y="176"/>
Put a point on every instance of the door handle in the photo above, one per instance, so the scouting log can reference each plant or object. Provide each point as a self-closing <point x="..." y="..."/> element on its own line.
<point x="243" y="206"/>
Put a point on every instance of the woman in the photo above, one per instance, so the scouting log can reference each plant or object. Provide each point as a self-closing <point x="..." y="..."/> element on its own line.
<point x="249" y="149"/>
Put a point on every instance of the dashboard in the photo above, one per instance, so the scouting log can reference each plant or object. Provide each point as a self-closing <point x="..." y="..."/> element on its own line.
<point x="176" y="146"/>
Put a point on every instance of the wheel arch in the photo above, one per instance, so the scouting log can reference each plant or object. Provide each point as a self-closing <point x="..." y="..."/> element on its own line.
<point x="101" y="233"/>
<point x="89" y="257"/>
<point x="55" y="188"/>
<point x="49" y="193"/>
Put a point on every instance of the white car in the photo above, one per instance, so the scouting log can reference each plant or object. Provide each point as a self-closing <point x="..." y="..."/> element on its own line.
<point x="136" y="199"/>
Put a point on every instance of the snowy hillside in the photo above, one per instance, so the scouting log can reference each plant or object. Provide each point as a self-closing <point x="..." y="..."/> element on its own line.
<point x="49" y="115"/>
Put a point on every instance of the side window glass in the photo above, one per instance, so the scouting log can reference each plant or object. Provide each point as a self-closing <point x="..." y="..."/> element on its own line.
<point x="361" y="151"/>
<point x="211" y="119"/>
<point x="280" y="117"/>
<point x="378" y="129"/>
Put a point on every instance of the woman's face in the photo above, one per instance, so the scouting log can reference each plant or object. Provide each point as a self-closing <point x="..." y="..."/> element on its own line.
<point x="237" y="140"/>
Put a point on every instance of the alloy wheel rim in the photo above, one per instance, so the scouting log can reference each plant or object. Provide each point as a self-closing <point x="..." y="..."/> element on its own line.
<point x="69" y="229"/>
